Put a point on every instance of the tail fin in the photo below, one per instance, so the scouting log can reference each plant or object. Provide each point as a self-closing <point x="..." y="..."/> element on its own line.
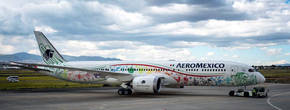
<point x="49" y="54"/>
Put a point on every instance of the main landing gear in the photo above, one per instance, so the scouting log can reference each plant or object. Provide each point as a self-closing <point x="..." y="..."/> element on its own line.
<point x="124" y="91"/>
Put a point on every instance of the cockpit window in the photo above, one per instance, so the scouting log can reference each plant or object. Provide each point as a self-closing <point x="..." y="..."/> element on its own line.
<point x="251" y="70"/>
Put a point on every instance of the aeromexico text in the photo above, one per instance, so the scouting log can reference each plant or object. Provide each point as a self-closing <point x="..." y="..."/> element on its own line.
<point x="200" y="65"/>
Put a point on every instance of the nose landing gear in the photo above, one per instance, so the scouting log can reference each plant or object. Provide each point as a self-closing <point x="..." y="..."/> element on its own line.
<point x="255" y="92"/>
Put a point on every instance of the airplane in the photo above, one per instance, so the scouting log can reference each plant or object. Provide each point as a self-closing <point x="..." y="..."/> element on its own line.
<point x="142" y="77"/>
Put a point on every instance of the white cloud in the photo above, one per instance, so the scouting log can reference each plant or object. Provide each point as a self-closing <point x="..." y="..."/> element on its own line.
<point x="135" y="51"/>
<point x="242" y="46"/>
<point x="272" y="17"/>
<point x="262" y="8"/>
<point x="16" y="39"/>
<point x="210" y="53"/>
<point x="174" y="28"/>
<point x="45" y="29"/>
<point x="5" y="49"/>
<point x="23" y="16"/>
<point x="172" y="9"/>
<point x="13" y="44"/>
<point x="217" y="28"/>
<point x="246" y="28"/>
<point x="238" y="47"/>
<point x="236" y="56"/>
<point x="185" y="44"/>
<point x="272" y="51"/>
<point x="113" y="27"/>
<point x="245" y="5"/>
<point x="34" y="51"/>
<point x="181" y="26"/>
<point x="279" y="62"/>
<point x="120" y="18"/>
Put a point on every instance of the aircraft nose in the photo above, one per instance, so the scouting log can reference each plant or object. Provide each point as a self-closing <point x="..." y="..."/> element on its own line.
<point x="260" y="77"/>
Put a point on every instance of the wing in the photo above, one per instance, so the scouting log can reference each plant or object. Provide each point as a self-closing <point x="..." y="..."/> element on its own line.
<point x="124" y="77"/>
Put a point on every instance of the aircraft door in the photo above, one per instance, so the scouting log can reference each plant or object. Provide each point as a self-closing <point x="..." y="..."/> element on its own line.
<point x="233" y="70"/>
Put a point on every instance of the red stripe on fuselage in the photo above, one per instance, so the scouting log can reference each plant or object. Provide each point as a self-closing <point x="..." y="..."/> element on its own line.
<point x="168" y="70"/>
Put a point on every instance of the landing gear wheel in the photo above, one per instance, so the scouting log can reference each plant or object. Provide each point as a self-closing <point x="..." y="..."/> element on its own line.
<point x="121" y="91"/>
<point x="129" y="92"/>
<point x="246" y="94"/>
<point x="231" y="93"/>
<point x="255" y="94"/>
<point x="124" y="91"/>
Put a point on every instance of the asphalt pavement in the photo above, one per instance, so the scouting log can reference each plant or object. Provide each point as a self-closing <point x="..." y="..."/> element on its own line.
<point x="188" y="98"/>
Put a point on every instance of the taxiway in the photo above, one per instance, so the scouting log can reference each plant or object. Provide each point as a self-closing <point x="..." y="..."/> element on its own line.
<point x="188" y="98"/>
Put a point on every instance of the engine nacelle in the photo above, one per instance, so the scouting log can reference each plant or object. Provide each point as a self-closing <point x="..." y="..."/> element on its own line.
<point x="147" y="84"/>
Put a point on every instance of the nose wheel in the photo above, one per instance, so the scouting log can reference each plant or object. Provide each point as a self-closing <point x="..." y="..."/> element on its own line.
<point x="124" y="91"/>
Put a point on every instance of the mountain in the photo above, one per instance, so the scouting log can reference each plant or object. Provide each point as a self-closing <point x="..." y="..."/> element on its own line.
<point x="23" y="57"/>
<point x="287" y="64"/>
<point x="26" y="57"/>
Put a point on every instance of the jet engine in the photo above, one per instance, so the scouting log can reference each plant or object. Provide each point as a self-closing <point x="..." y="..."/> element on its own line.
<point x="147" y="84"/>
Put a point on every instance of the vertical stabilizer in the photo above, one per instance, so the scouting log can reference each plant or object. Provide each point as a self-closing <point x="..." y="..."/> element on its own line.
<point x="49" y="54"/>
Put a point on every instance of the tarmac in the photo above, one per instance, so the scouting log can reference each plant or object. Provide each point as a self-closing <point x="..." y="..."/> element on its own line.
<point x="188" y="98"/>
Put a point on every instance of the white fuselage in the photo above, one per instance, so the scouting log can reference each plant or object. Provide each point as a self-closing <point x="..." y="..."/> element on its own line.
<point x="175" y="74"/>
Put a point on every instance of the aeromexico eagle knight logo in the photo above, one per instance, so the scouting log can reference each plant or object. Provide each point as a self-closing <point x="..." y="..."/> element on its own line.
<point x="49" y="54"/>
<point x="46" y="51"/>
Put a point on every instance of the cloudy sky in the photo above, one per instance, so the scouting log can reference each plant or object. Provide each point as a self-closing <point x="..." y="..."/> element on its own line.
<point x="246" y="31"/>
